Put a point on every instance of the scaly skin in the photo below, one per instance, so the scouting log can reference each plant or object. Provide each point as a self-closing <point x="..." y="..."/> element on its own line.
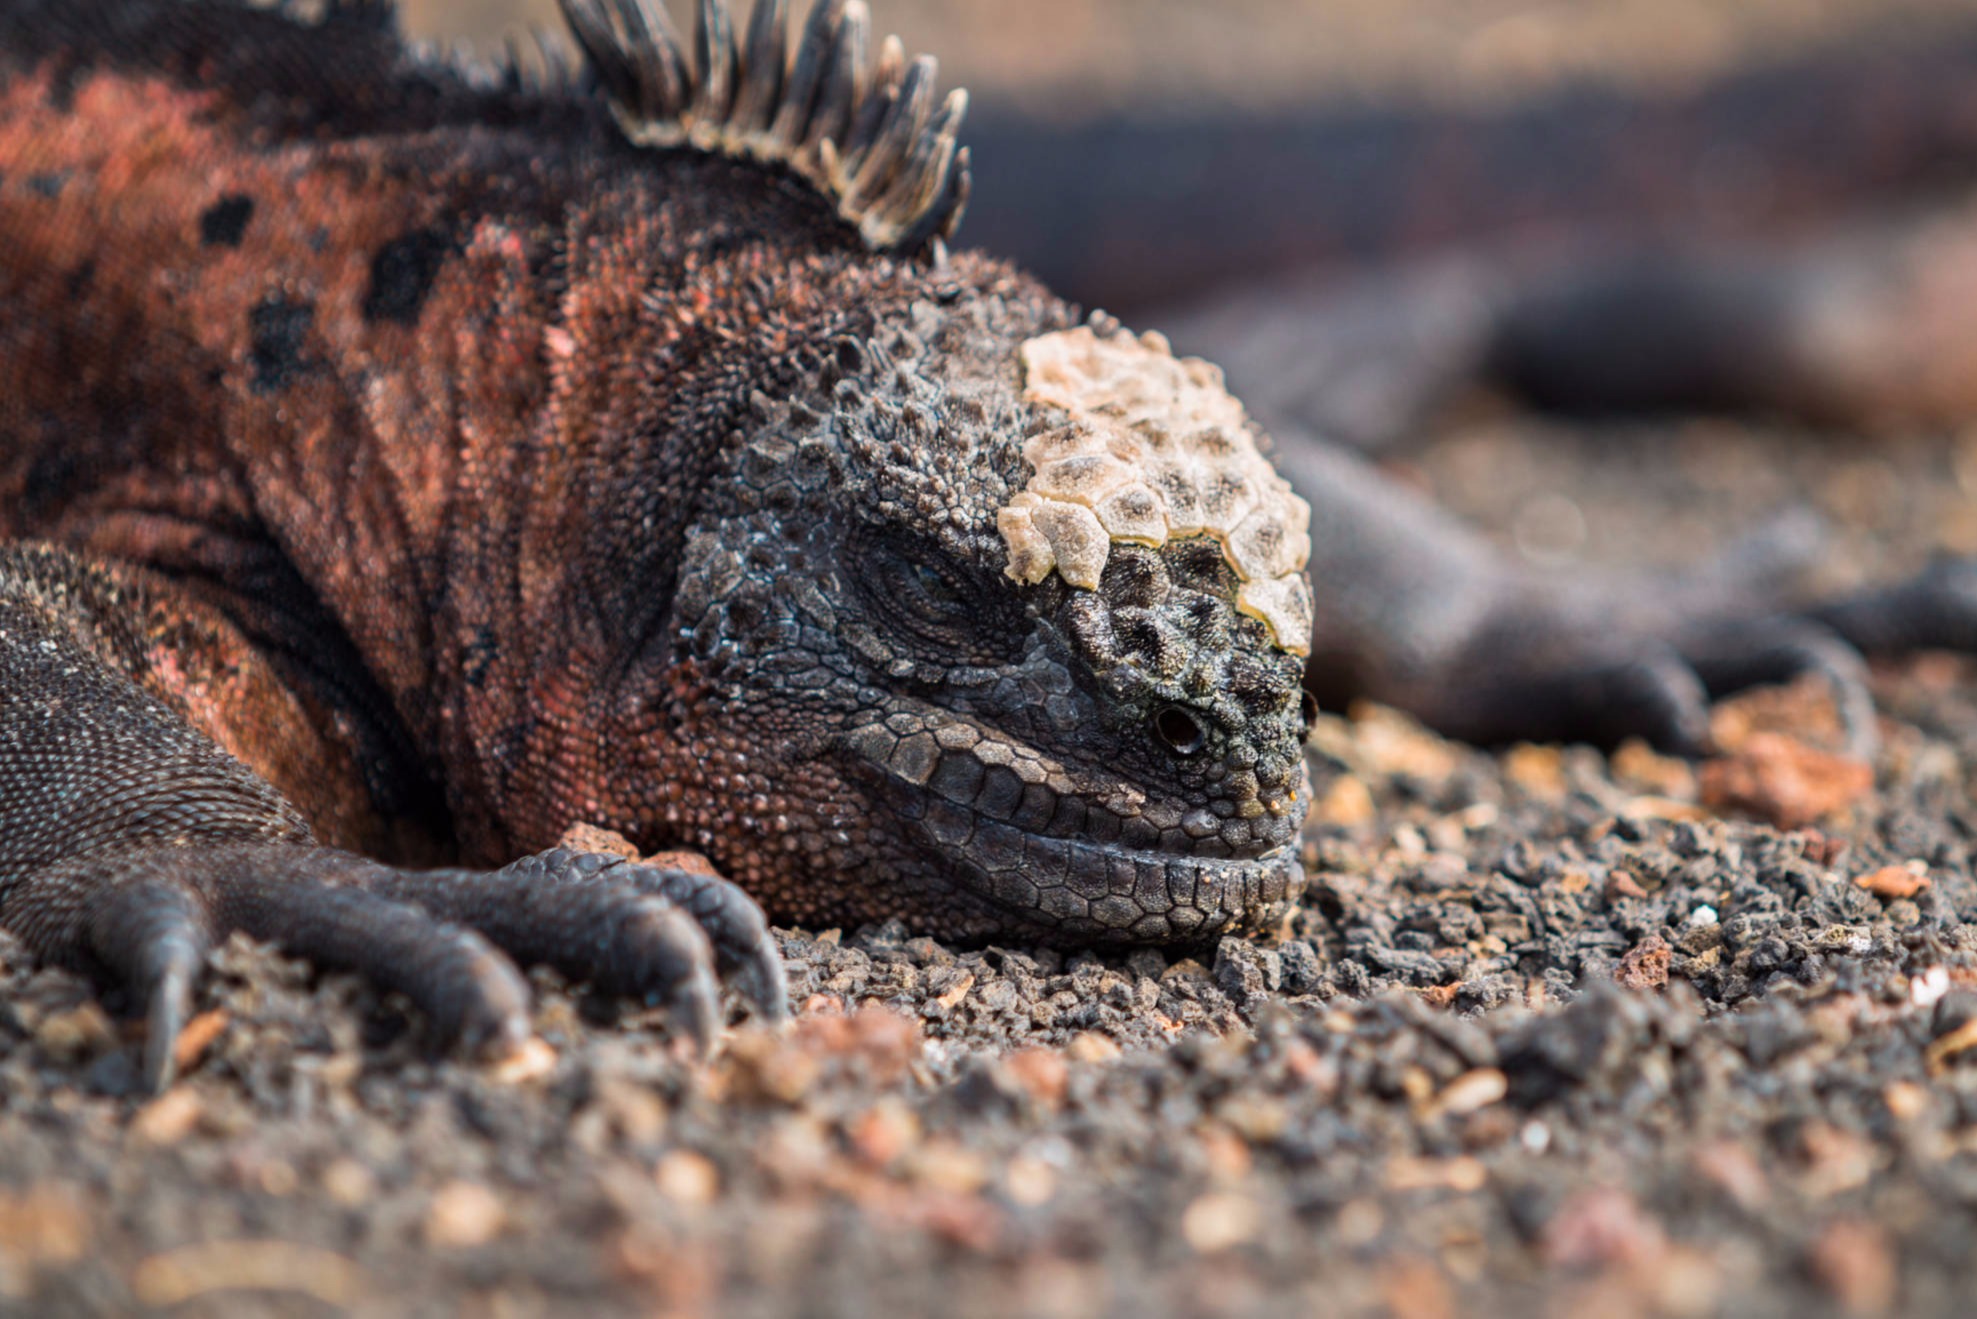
<point x="533" y="479"/>
<point x="428" y="469"/>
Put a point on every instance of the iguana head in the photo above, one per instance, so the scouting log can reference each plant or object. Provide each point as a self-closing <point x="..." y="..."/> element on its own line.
<point x="1000" y="620"/>
<point x="986" y="618"/>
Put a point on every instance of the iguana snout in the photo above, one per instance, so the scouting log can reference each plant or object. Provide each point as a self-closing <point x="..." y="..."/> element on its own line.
<point x="1141" y="778"/>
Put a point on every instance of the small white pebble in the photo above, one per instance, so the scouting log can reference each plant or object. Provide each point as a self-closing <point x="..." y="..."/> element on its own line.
<point x="1536" y="1137"/>
<point x="1703" y="915"/>
<point x="1924" y="990"/>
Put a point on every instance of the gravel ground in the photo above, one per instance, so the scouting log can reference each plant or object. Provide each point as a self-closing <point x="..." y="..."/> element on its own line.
<point x="1553" y="1032"/>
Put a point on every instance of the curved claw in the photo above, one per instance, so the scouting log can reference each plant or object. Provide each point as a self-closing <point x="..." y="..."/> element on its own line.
<point x="736" y="927"/>
<point x="170" y="1007"/>
<point x="154" y="936"/>
<point x="339" y="911"/>
<point x="696" y="1006"/>
<point x="480" y="1003"/>
<point x="471" y="993"/>
<point x="1732" y="657"/>
<point x="658" y="952"/>
<point x="769" y="986"/>
<point x="443" y="938"/>
<point x="1659" y="697"/>
<point x="634" y="931"/>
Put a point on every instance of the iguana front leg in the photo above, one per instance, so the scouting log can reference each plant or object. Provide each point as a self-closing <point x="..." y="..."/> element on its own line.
<point x="130" y="841"/>
<point x="1417" y="611"/>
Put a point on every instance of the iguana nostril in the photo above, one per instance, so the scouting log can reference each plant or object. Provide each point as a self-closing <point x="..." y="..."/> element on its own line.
<point x="1181" y="731"/>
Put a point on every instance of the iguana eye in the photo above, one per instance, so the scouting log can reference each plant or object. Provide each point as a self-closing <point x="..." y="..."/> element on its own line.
<point x="932" y="603"/>
<point x="1181" y="731"/>
<point x="930" y="596"/>
<point x="936" y="588"/>
<point x="919" y="593"/>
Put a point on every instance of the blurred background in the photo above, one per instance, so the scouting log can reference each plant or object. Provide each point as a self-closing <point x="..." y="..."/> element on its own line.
<point x="1087" y="56"/>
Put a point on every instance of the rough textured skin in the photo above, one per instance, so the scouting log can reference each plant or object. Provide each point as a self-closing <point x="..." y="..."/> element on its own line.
<point x="509" y="476"/>
<point x="432" y="470"/>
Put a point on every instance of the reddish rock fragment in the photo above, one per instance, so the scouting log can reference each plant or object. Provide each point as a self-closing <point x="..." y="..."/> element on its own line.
<point x="1802" y="711"/>
<point x="874" y="1044"/>
<point x="967" y="1221"/>
<point x="169" y="1118"/>
<point x="1417" y="1289"/>
<point x="1736" y="1171"/>
<point x="763" y="1067"/>
<point x="1042" y="1073"/>
<point x="1783" y="782"/>
<point x="881" y="1042"/>
<point x="1601" y="1226"/>
<point x="1346" y="804"/>
<point x="1637" y="765"/>
<point x="1823" y="849"/>
<point x="1623" y="885"/>
<point x="1440" y="996"/>
<point x="464" y="1214"/>
<point x="1893" y="882"/>
<point x="884" y="1132"/>
<point x="1836" y="1160"/>
<point x="1646" y="964"/>
<point x="590" y="838"/>
<point x="196" y="1038"/>
<point x="1853" y="1261"/>
<point x="687" y="1178"/>
<point x="46" y="1224"/>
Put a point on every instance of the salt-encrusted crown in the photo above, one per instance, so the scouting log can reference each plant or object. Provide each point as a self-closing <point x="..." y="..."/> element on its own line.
<point x="866" y="132"/>
<point x="1152" y="448"/>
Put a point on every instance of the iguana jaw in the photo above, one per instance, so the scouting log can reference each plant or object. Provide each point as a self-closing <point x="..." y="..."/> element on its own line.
<point x="1068" y="854"/>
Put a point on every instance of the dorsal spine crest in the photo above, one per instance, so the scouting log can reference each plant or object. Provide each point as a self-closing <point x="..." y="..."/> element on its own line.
<point x="866" y="133"/>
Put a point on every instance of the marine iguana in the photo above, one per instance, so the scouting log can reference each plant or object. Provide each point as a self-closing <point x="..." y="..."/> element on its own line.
<point x="404" y="460"/>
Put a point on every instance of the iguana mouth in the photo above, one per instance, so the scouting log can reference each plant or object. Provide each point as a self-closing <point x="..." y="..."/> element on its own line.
<point x="1075" y="854"/>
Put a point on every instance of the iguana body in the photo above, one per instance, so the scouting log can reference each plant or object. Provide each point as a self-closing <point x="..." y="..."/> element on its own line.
<point x="432" y="468"/>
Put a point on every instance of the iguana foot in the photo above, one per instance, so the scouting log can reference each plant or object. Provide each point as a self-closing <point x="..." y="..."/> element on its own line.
<point x="1934" y="610"/>
<point x="1574" y="670"/>
<point x="144" y="920"/>
<point x="1418" y="612"/>
<point x="1654" y="689"/>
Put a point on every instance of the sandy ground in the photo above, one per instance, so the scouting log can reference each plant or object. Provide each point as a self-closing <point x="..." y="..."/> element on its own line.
<point x="1553" y="1032"/>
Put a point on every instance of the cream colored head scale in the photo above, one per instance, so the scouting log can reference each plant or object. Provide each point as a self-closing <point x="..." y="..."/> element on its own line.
<point x="1153" y="448"/>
